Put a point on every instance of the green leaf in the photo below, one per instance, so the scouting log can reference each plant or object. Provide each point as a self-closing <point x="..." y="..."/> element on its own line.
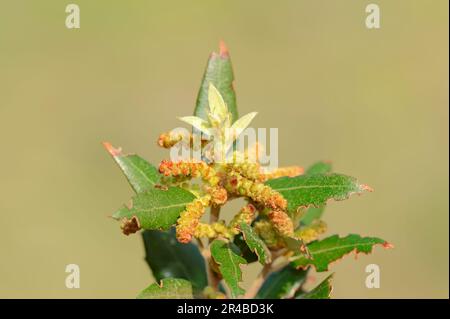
<point x="314" y="213"/>
<point x="156" y="208"/>
<point x="315" y="190"/>
<point x="168" y="258"/>
<point x="141" y="174"/>
<point x="321" y="167"/>
<point x="255" y="243"/>
<point x="245" y="251"/>
<point x="333" y="248"/>
<point x="322" y="291"/>
<point x="282" y="283"/>
<point x="169" y="288"/>
<point x="226" y="255"/>
<point x="219" y="72"/>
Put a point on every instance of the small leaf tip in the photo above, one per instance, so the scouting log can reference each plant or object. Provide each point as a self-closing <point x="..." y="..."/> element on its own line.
<point x="113" y="151"/>
<point x="388" y="245"/>
<point x="223" y="50"/>
<point x="365" y="187"/>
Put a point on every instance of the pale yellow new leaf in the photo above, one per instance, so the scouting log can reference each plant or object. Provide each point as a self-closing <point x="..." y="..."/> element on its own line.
<point x="217" y="106"/>
<point x="240" y="125"/>
<point x="198" y="123"/>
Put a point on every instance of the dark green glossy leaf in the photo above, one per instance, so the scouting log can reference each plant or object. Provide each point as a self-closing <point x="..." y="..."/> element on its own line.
<point x="168" y="258"/>
<point x="141" y="175"/>
<point x="226" y="255"/>
<point x="322" y="291"/>
<point x="315" y="190"/>
<point x="219" y="72"/>
<point x="282" y="283"/>
<point x="255" y="243"/>
<point x="156" y="208"/>
<point x="169" y="288"/>
<point x="330" y="249"/>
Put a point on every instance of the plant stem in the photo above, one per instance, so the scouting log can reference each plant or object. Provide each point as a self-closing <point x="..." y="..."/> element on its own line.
<point x="213" y="277"/>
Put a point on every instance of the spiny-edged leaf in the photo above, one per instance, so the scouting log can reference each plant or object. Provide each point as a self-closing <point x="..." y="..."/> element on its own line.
<point x="169" y="288"/>
<point x="322" y="291"/>
<point x="321" y="167"/>
<point x="282" y="283"/>
<point x="140" y="173"/>
<point x="245" y="251"/>
<point x="333" y="248"/>
<point x="226" y="255"/>
<point x="255" y="243"/>
<point x="315" y="190"/>
<point x="219" y="72"/>
<point x="168" y="258"/>
<point x="314" y="213"/>
<point x="156" y="208"/>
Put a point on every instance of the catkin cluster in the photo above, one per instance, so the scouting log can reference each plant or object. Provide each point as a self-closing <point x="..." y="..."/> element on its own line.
<point x="222" y="182"/>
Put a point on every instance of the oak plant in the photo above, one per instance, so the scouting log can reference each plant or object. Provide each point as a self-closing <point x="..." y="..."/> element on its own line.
<point x="280" y="225"/>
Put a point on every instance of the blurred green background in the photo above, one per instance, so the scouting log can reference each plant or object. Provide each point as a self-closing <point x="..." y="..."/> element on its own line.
<point x="375" y="102"/>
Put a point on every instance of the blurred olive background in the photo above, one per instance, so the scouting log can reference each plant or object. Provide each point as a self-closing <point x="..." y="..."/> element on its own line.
<point x="375" y="102"/>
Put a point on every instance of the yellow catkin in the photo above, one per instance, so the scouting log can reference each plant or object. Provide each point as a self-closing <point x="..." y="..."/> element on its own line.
<point x="251" y="171"/>
<point x="212" y="230"/>
<point x="190" y="218"/>
<point x="267" y="232"/>
<point x="219" y="195"/>
<point x="257" y="191"/>
<point x="245" y="215"/>
<point x="168" y="139"/>
<point x="311" y="232"/>
<point x="290" y="171"/>
<point x="191" y="169"/>
<point x="281" y="222"/>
